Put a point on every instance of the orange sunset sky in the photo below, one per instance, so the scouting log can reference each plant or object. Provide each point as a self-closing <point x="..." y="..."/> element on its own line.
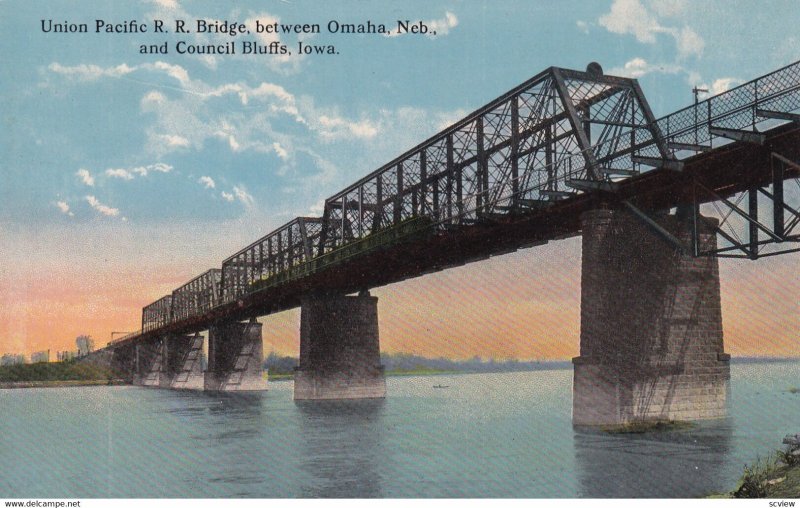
<point x="123" y="174"/>
<point x="521" y="305"/>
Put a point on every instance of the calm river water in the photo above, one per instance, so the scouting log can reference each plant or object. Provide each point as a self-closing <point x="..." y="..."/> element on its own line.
<point x="487" y="435"/>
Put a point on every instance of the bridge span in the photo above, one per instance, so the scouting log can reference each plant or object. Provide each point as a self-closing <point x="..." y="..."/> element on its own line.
<point x="657" y="201"/>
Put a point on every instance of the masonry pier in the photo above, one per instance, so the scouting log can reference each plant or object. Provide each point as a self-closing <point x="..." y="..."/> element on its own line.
<point x="651" y="325"/>
<point x="339" y="349"/>
<point x="147" y="363"/>
<point x="235" y="357"/>
<point x="181" y="367"/>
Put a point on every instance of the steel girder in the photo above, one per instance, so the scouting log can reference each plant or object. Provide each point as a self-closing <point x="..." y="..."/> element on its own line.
<point x="157" y="314"/>
<point x="560" y="133"/>
<point x="197" y="296"/>
<point x="262" y="262"/>
<point x="765" y="226"/>
<point x="521" y="149"/>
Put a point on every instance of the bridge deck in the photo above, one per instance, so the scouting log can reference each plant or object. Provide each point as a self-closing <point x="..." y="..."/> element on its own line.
<point x="726" y="170"/>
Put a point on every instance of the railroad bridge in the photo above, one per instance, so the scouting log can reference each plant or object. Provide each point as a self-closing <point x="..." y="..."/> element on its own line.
<point x="657" y="202"/>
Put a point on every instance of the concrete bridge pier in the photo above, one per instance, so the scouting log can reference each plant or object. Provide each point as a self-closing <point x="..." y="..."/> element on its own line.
<point x="180" y="362"/>
<point x="651" y="325"/>
<point x="235" y="357"/>
<point x="339" y="349"/>
<point x="147" y="361"/>
<point x="122" y="362"/>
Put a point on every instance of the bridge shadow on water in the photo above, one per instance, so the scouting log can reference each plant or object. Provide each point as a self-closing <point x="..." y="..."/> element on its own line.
<point x="342" y="448"/>
<point x="677" y="463"/>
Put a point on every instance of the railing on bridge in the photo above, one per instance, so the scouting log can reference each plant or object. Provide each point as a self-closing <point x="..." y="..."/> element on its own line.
<point x="560" y="133"/>
<point x="268" y="260"/>
<point x="197" y="296"/>
<point x="125" y="337"/>
<point x="157" y="314"/>
<point x="764" y="100"/>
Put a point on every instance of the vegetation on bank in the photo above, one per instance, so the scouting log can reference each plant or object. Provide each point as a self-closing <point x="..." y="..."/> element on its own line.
<point x="776" y="476"/>
<point x="48" y="373"/>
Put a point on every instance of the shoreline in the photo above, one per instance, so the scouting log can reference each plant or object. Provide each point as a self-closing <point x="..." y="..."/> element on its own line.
<point x="64" y="383"/>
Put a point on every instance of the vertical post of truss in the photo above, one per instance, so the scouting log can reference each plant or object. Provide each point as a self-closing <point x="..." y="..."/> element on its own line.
<point x="695" y="217"/>
<point x="398" y="194"/>
<point x="514" y="151"/>
<point x="777" y="200"/>
<point x="450" y="175"/>
<point x="483" y="172"/>
<point x="378" y="216"/>
<point x="423" y="177"/>
<point x="752" y="210"/>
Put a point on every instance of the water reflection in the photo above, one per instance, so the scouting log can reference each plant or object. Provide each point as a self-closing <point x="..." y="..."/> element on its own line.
<point x="342" y="448"/>
<point x="678" y="463"/>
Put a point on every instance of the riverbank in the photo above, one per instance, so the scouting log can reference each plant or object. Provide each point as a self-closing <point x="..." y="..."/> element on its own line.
<point x="56" y="374"/>
<point x="9" y="385"/>
<point x="776" y="477"/>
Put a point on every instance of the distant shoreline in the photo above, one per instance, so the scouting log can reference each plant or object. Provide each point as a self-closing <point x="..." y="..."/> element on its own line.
<point x="420" y="370"/>
<point x="65" y="383"/>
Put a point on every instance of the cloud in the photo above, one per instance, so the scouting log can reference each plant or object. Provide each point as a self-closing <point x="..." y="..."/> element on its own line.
<point x="334" y="127"/>
<point x="280" y="151"/>
<point x="243" y="196"/>
<point x="103" y="209"/>
<point x="64" y="207"/>
<point x="689" y="42"/>
<point x="173" y="140"/>
<point x="167" y="4"/>
<point x="638" y="67"/>
<point x="720" y="85"/>
<point x="582" y="26"/>
<point x="119" y="173"/>
<point x="443" y="25"/>
<point x="174" y="71"/>
<point x="437" y="27"/>
<point x="152" y="97"/>
<point x="632" y="17"/>
<point x="207" y="182"/>
<point x="669" y="8"/>
<point x="85" y="177"/>
<point x="226" y="196"/>
<point x="158" y="167"/>
<point x="84" y="72"/>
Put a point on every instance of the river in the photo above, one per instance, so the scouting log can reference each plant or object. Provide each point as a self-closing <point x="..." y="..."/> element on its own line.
<point x="486" y="435"/>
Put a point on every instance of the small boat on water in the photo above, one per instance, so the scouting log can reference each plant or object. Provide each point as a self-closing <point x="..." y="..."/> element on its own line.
<point x="441" y="386"/>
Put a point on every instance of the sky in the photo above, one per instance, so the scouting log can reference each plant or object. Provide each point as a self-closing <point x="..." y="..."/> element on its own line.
<point x="123" y="175"/>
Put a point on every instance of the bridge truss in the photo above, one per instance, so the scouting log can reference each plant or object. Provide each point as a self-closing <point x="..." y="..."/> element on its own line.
<point x="559" y="135"/>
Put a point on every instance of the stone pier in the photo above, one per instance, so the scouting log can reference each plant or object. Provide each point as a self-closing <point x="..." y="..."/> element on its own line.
<point x="147" y="363"/>
<point x="339" y="349"/>
<point x="235" y="357"/>
<point x="180" y="365"/>
<point x="651" y="325"/>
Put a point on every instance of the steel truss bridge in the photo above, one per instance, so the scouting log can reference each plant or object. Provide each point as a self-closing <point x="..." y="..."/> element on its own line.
<point x="519" y="172"/>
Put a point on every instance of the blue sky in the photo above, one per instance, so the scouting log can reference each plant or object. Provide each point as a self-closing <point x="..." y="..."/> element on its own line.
<point x="114" y="162"/>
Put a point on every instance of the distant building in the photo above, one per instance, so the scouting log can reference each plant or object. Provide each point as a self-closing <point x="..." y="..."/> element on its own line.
<point x="85" y="345"/>
<point x="40" y="356"/>
<point x="9" y="359"/>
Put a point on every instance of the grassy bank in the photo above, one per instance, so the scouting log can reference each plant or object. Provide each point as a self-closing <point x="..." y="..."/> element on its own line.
<point x="53" y="374"/>
<point x="777" y="476"/>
